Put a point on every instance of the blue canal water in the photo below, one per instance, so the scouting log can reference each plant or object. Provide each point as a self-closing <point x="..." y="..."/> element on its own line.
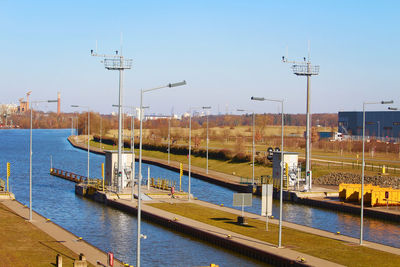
<point x="112" y="230"/>
<point x="104" y="227"/>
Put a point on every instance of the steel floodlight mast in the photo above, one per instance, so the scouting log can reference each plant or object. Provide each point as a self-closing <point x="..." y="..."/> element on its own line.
<point x="117" y="62"/>
<point x="305" y="68"/>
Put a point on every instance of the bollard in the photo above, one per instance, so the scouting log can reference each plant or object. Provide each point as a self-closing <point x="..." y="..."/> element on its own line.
<point x="59" y="260"/>
<point x="81" y="262"/>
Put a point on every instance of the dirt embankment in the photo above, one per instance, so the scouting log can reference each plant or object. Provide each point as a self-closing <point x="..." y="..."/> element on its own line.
<point x="351" y="178"/>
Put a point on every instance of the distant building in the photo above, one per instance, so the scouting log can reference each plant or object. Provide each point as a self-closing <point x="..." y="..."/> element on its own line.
<point x="377" y="123"/>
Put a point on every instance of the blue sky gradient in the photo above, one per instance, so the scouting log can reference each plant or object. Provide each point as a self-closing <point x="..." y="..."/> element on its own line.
<point x="227" y="51"/>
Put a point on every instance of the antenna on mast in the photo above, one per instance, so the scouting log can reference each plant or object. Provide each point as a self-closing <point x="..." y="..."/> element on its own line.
<point x="309" y="50"/>
<point x="121" y="41"/>
<point x="305" y="68"/>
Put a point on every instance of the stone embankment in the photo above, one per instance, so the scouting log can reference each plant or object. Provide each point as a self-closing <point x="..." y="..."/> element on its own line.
<point x="352" y="178"/>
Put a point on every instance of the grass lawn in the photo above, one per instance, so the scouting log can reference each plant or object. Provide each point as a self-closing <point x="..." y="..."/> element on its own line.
<point x="240" y="169"/>
<point x="22" y="244"/>
<point x="340" y="252"/>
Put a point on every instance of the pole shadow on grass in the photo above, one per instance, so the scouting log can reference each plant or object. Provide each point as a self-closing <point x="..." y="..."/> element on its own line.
<point x="59" y="252"/>
<point x="231" y="221"/>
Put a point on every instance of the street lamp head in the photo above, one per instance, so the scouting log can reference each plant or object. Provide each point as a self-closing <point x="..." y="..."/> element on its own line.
<point x="392" y="108"/>
<point x="177" y="84"/>
<point x="257" y="98"/>
<point x="241" y="110"/>
<point x="75" y="106"/>
<point x="206" y="107"/>
<point x="52" y="101"/>
<point x="387" y="102"/>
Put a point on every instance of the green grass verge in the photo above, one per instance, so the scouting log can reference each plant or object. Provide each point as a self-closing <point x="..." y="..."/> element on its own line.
<point x="245" y="169"/>
<point x="22" y="244"/>
<point x="239" y="169"/>
<point x="341" y="252"/>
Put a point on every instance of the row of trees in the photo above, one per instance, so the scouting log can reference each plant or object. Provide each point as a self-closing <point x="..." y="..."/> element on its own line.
<point x="64" y="120"/>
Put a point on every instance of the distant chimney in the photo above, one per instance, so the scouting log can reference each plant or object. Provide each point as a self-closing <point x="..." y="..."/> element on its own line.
<point x="58" y="103"/>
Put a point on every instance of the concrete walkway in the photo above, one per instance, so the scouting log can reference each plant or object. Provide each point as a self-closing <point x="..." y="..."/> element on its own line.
<point x="306" y="229"/>
<point x="234" y="237"/>
<point x="92" y="253"/>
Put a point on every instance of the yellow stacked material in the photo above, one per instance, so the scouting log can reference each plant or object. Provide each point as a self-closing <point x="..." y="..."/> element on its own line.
<point x="375" y="195"/>
<point x="385" y="196"/>
<point x="352" y="192"/>
<point x="342" y="191"/>
<point x="367" y="192"/>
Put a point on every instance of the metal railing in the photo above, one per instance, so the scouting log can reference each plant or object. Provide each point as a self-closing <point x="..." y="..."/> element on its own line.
<point x="115" y="63"/>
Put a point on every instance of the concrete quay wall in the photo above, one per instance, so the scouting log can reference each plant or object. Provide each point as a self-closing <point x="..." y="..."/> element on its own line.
<point x="203" y="234"/>
<point x="194" y="173"/>
<point x="287" y="195"/>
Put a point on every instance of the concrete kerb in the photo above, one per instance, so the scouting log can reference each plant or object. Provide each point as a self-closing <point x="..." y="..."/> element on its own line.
<point x="175" y="167"/>
<point x="306" y="229"/>
<point x="242" y="244"/>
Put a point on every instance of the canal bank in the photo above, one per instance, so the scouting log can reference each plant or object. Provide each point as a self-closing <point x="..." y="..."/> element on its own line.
<point x="322" y="196"/>
<point x="251" y="246"/>
<point x="107" y="228"/>
<point x="61" y="236"/>
<point x="222" y="179"/>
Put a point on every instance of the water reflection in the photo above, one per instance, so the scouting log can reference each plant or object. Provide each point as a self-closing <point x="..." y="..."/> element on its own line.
<point x="104" y="227"/>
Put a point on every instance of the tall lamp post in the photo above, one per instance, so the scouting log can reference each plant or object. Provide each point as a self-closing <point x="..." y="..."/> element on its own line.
<point x="282" y="164"/>
<point x="88" y="139"/>
<point x="139" y="235"/>
<point x="207" y="140"/>
<point x="101" y="133"/>
<point x="30" y="155"/>
<point x="363" y="166"/>
<point x="190" y="147"/>
<point x="253" y="148"/>
<point x="169" y="137"/>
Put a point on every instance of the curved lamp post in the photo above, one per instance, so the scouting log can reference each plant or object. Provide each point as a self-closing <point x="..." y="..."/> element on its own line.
<point x="88" y="139"/>
<point x="282" y="164"/>
<point x="30" y="155"/>
<point x="363" y="166"/>
<point x="253" y="148"/>
<point x="139" y="235"/>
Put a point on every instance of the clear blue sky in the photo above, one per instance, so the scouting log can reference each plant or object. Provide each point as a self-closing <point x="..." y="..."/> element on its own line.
<point x="227" y="51"/>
